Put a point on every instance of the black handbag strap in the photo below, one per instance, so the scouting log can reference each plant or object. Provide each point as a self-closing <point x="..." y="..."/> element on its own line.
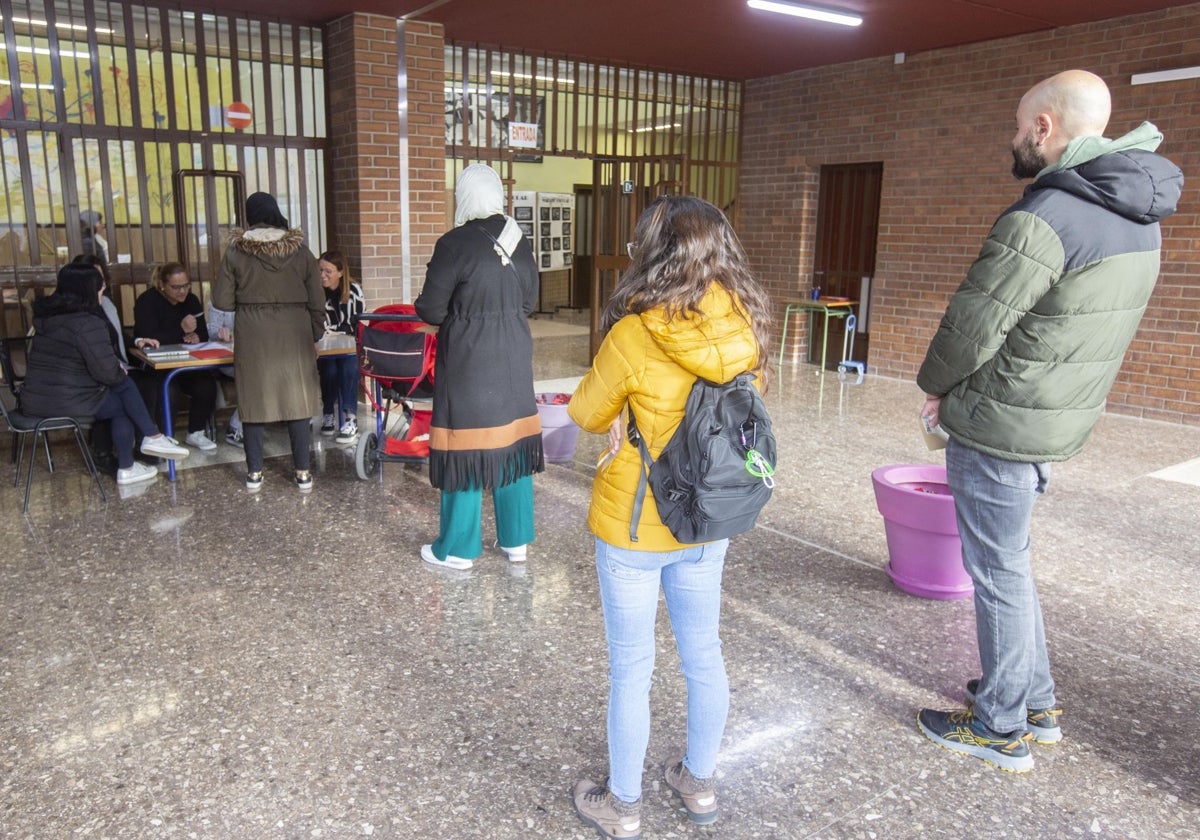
<point x="508" y="257"/>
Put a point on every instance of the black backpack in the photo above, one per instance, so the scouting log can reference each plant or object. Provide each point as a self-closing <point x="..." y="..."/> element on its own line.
<point x="715" y="474"/>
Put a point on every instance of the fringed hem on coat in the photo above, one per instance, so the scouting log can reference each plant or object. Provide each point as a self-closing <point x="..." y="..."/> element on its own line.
<point x="485" y="469"/>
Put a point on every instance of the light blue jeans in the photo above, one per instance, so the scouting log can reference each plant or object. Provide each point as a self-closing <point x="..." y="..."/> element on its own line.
<point x="993" y="500"/>
<point x="691" y="583"/>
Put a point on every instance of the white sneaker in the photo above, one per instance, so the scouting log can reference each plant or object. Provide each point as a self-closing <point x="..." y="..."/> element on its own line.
<point x="200" y="441"/>
<point x="163" y="447"/>
<point x="328" y="429"/>
<point x="138" y="472"/>
<point x="515" y="555"/>
<point x="451" y="562"/>
<point x="234" y="437"/>
<point x="349" y="431"/>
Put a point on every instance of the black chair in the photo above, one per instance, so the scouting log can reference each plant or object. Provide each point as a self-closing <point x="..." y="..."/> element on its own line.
<point x="23" y="426"/>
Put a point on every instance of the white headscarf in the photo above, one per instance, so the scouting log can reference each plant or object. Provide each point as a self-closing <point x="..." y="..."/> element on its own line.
<point x="479" y="194"/>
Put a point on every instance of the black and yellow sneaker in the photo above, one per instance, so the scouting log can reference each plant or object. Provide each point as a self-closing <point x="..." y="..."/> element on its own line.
<point x="961" y="732"/>
<point x="1041" y="723"/>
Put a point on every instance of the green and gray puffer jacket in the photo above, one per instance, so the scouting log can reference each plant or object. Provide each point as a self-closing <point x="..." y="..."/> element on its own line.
<point x="1032" y="340"/>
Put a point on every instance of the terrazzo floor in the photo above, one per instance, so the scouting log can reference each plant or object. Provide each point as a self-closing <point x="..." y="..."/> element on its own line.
<point x="192" y="661"/>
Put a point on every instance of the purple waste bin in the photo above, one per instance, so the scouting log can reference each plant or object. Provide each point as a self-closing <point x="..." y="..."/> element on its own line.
<point x="924" y="550"/>
<point x="559" y="432"/>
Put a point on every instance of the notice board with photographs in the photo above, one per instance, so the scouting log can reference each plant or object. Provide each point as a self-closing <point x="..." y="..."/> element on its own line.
<point x="554" y="229"/>
<point x="524" y="210"/>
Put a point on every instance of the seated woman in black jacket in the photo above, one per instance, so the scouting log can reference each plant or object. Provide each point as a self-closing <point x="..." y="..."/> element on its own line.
<point x="73" y="371"/>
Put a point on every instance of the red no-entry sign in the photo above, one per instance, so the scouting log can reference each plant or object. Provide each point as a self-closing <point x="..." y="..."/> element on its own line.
<point x="238" y="115"/>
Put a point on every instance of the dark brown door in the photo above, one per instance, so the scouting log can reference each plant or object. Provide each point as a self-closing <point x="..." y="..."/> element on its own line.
<point x="622" y="189"/>
<point x="844" y="263"/>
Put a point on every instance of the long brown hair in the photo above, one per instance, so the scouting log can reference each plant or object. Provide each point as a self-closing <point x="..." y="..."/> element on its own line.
<point x="336" y="259"/>
<point x="682" y="245"/>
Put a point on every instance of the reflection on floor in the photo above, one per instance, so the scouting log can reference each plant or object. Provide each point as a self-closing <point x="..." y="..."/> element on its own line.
<point x="195" y="661"/>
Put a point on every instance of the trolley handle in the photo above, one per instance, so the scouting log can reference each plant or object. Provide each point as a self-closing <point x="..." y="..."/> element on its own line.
<point x="389" y="316"/>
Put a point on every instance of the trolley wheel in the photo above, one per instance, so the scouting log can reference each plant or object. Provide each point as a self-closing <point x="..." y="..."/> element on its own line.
<point x="366" y="455"/>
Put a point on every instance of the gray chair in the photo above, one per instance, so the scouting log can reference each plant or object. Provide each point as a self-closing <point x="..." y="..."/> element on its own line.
<point x="23" y="427"/>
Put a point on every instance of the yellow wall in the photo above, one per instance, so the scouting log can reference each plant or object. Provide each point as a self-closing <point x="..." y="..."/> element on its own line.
<point x="553" y="174"/>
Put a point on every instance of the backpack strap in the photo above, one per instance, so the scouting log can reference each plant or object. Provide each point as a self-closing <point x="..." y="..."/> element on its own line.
<point x="639" y="498"/>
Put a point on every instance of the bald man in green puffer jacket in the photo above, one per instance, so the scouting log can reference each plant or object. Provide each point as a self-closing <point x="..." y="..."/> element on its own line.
<point x="1019" y="371"/>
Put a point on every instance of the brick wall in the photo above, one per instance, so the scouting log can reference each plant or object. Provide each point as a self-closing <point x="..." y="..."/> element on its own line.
<point x="942" y="123"/>
<point x="365" y="161"/>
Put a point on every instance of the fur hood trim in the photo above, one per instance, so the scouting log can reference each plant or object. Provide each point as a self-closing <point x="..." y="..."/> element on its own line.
<point x="267" y="241"/>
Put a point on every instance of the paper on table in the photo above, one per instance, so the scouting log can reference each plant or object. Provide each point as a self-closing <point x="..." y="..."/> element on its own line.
<point x="332" y="341"/>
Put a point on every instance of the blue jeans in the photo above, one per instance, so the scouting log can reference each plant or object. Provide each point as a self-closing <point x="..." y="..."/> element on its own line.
<point x="339" y="383"/>
<point x="691" y="583"/>
<point x="123" y="405"/>
<point x="993" y="500"/>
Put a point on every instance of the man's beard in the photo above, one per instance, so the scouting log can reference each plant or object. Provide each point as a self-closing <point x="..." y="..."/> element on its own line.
<point x="1028" y="160"/>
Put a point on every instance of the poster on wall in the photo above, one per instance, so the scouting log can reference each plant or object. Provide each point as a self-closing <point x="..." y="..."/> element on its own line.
<point x="468" y="123"/>
<point x="554" y="220"/>
<point x="524" y="210"/>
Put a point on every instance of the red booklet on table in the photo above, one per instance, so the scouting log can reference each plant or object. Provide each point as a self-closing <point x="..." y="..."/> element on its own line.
<point x="211" y="353"/>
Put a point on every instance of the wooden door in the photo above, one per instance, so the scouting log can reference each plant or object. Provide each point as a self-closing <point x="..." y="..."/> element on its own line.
<point x="622" y="189"/>
<point x="844" y="262"/>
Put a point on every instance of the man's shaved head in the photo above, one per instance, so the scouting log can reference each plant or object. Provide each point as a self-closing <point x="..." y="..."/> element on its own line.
<point x="1078" y="100"/>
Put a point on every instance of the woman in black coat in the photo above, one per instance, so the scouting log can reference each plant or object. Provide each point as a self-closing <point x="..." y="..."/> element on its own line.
<point x="480" y="288"/>
<point x="73" y="371"/>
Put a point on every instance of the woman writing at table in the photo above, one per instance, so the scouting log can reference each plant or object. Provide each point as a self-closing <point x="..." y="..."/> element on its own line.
<point x="170" y="314"/>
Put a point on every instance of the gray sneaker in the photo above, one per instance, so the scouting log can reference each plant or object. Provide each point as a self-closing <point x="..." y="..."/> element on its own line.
<point x="1041" y="723"/>
<point x="162" y="446"/>
<point x="611" y="817"/>
<point x="699" y="795"/>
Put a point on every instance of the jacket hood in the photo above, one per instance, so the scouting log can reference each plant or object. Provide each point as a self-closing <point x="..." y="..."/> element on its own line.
<point x="716" y="345"/>
<point x="59" y="304"/>
<point x="271" y="245"/>
<point x="1122" y="175"/>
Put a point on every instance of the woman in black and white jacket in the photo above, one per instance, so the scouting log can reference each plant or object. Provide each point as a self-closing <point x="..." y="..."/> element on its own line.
<point x="339" y="374"/>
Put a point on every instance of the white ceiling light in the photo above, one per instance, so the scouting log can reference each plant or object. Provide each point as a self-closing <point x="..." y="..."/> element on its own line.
<point x="810" y="12"/>
<point x="1165" y="76"/>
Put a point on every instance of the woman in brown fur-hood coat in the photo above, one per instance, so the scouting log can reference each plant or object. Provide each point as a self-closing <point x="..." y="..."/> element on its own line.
<point x="271" y="279"/>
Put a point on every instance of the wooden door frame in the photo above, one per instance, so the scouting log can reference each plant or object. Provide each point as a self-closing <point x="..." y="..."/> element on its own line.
<point x="639" y="199"/>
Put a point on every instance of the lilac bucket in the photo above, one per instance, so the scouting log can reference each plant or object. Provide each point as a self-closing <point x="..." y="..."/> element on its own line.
<point x="924" y="550"/>
<point x="559" y="432"/>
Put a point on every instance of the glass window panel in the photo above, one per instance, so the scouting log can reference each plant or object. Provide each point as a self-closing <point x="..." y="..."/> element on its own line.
<point x="145" y="74"/>
<point x="157" y="184"/>
<point x="314" y="169"/>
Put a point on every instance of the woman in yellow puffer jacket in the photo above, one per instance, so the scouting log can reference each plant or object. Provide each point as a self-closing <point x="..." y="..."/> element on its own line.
<point x="688" y="307"/>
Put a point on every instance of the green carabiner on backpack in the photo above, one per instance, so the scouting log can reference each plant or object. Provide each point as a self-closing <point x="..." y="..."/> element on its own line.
<point x="758" y="467"/>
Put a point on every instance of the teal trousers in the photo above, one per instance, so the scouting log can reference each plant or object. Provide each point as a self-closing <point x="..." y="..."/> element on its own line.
<point x="462" y="513"/>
